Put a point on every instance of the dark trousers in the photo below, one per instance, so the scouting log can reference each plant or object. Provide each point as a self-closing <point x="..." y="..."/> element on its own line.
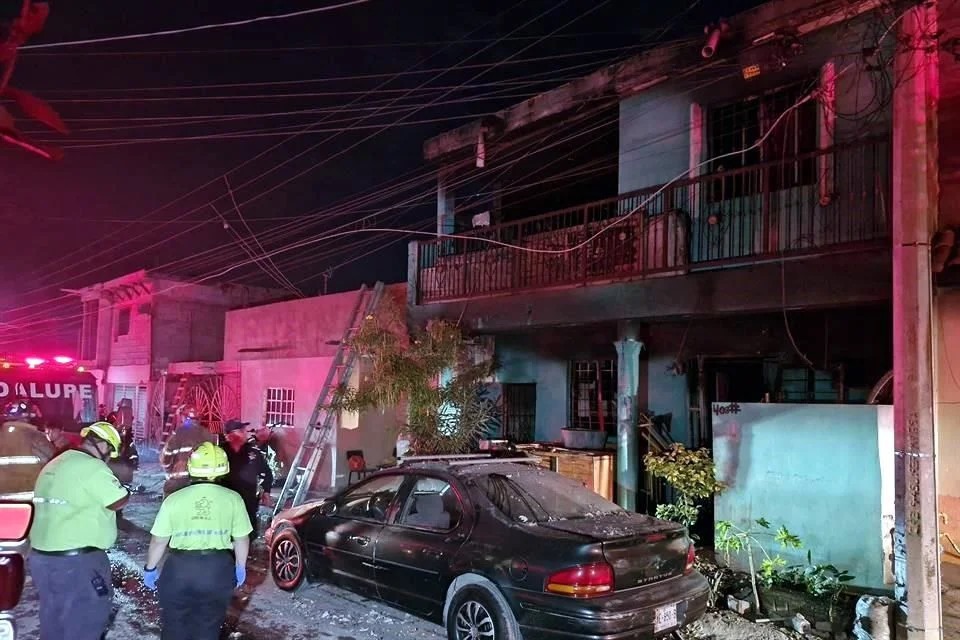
<point x="252" y="503"/>
<point x="76" y="595"/>
<point x="194" y="592"/>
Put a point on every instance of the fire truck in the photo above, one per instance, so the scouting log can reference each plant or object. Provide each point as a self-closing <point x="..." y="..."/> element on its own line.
<point x="58" y="389"/>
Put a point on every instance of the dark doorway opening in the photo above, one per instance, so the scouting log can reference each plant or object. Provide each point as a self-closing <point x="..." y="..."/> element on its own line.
<point x="519" y="412"/>
<point x="719" y="380"/>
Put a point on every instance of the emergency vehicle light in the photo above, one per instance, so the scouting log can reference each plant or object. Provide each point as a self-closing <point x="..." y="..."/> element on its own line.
<point x="63" y="360"/>
<point x="34" y="362"/>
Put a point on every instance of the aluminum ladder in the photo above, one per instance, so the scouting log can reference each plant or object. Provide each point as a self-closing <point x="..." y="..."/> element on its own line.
<point x="323" y="421"/>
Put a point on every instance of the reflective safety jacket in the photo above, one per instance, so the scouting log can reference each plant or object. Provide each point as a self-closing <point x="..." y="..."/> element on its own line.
<point x="176" y="452"/>
<point x="23" y="451"/>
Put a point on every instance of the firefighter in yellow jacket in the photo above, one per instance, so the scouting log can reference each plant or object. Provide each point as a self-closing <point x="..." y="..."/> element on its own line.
<point x="24" y="449"/>
<point x="177" y="450"/>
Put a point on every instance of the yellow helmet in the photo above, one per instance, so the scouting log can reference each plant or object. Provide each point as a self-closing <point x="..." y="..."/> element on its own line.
<point x="208" y="461"/>
<point x="106" y="432"/>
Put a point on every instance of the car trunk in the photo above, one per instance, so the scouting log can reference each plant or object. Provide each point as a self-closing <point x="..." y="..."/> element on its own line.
<point x="642" y="550"/>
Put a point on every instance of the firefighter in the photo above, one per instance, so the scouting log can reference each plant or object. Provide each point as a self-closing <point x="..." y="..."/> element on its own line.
<point x="53" y="429"/>
<point x="75" y="521"/>
<point x="24" y="450"/>
<point x="206" y="529"/>
<point x="250" y="474"/>
<point x="176" y="452"/>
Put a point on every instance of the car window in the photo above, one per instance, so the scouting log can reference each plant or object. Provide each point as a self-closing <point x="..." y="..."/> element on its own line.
<point x="370" y="500"/>
<point x="537" y="495"/>
<point x="432" y="504"/>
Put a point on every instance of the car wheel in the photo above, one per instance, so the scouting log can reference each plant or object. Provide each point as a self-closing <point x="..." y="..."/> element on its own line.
<point x="476" y="613"/>
<point x="287" y="560"/>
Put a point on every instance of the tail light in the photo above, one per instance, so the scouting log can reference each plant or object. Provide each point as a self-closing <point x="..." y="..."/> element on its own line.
<point x="691" y="559"/>
<point x="584" y="581"/>
<point x="11" y="580"/>
<point x="15" y="519"/>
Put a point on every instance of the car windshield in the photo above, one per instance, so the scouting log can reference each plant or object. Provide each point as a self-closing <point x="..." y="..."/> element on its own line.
<point x="541" y="496"/>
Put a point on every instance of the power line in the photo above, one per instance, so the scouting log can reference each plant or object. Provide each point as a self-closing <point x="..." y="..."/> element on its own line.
<point x="205" y="27"/>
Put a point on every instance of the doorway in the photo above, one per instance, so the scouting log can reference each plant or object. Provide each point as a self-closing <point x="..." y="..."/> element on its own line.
<point x="719" y="380"/>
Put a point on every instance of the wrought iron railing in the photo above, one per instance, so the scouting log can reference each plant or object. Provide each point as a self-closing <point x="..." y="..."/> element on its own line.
<point x="812" y="203"/>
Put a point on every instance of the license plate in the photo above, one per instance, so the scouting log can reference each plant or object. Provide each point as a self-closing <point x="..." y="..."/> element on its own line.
<point x="6" y="630"/>
<point x="664" y="618"/>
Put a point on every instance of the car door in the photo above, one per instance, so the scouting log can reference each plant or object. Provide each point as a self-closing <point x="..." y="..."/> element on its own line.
<point x="347" y="533"/>
<point x="416" y="550"/>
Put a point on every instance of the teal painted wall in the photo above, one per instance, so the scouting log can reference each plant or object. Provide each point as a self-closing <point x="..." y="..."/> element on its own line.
<point x="667" y="393"/>
<point x="823" y="471"/>
<point x="520" y="363"/>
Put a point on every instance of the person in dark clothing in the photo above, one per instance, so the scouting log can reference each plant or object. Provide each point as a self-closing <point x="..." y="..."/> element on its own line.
<point x="249" y="475"/>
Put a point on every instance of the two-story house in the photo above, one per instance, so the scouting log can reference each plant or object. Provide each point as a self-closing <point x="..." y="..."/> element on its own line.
<point x="705" y="222"/>
<point x="144" y="333"/>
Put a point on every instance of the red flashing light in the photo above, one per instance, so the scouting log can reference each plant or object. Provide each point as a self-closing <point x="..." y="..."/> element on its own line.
<point x="63" y="360"/>
<point x="34" y="362"/>
<point x="6" y="365"/>
<point x="585" y="581"/>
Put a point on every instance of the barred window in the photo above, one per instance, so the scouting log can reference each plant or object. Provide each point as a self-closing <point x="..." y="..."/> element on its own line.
<point x="279" y="407"/>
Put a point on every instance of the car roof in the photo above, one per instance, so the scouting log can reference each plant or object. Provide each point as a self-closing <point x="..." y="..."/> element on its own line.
<point x="472" y="466"/>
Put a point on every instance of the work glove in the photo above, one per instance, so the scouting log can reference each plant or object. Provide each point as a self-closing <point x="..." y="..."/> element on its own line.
<point x="241" y="575"/>
<point x="150" y="578"/>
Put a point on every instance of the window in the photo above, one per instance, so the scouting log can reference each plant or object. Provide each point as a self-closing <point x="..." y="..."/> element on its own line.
<point x="533" y="495"/>
<point x="279" y="407"/>
<point x="519" y="412"/>
<point x="433" y="504"/>
<point x="593" y="395"/>
<point x="370" y="500"/>
<point x="123" y="322"/>
<point x="88" y="334"/>
<point x="736" y="126"/>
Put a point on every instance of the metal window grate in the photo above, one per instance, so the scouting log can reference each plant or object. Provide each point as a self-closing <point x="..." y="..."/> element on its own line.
<point x="279" y="408"/>
<point x="519" y="412"/>
<point x="593" y="394"/>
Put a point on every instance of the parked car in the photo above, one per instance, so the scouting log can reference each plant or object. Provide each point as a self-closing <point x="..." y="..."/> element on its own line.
<point x="15" y="520"/>
<point x="493" y="549"/>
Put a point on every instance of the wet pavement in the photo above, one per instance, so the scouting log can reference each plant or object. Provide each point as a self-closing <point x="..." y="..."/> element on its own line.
<point x="260" y="611"/>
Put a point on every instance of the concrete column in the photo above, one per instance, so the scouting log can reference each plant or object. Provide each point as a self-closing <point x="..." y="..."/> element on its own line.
<point x="916" y="548"/>
<point x="445" y="204"/>
<point x="628" y="381"/>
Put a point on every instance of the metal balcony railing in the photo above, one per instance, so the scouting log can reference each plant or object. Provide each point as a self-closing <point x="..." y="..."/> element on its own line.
<point x="818" y="202"/>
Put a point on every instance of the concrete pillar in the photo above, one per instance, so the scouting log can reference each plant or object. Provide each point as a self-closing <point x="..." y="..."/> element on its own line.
<point x="628" y="381"/>
<point x="445" y="204"/>
<point x="916" y="545"/>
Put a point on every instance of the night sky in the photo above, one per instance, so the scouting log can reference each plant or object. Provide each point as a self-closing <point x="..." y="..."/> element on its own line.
<point x="69" y="224"/>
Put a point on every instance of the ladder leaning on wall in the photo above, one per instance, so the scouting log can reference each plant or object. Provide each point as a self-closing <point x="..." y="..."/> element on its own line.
<point x="314" y="448"/>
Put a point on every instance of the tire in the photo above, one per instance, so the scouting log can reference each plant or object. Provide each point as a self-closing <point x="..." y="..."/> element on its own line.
<point x="476" y="608"/>
<point x="288" y="562"/>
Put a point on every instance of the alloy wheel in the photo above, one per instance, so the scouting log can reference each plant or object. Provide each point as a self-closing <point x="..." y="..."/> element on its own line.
<point x="474" y="622"/>
<point x="287" y="560"/>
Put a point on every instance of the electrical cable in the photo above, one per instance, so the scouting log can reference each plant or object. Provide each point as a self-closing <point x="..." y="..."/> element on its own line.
<point x="574" y="248"/>
<point x="204" y="27"/>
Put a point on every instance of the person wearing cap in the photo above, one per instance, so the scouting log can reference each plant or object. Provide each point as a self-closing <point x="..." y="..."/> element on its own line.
<point x="76" y="501"/>
<point x="203" y="528"/>
<point x="250" y="473"/>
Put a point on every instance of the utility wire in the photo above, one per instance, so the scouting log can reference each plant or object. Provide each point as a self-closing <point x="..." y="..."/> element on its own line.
<point x="205" y="27"/>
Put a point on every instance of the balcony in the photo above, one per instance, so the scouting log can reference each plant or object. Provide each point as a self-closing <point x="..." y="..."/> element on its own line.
<point x="828" y="201"/>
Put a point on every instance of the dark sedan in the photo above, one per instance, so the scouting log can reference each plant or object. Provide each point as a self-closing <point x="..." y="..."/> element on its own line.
<point x="498" y="550"/>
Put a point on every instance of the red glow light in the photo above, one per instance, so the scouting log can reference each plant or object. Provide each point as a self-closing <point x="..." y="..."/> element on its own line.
<point x="63" y="360"/>
<point x="34" y="362"/>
